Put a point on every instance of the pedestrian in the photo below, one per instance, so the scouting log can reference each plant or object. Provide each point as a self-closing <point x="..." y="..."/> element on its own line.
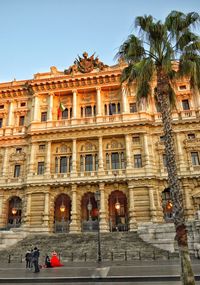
<point x="28" y="259"/>
<point x="47" y="262"/>
<point x="36" y="254"/>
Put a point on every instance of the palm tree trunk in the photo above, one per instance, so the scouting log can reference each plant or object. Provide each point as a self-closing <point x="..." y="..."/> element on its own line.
<point x="187" y="275"/>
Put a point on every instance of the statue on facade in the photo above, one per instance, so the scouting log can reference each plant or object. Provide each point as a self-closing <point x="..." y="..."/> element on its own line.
<point x="85" y="64"/>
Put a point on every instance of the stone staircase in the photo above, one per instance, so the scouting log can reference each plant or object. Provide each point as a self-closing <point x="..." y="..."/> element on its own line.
<point x="83" y="247"/>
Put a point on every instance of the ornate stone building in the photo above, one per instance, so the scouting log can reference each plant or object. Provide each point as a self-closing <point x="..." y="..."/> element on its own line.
<point x="64" y="136"/>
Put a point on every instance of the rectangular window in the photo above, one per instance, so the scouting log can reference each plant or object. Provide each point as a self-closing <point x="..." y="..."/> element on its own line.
<point x="56" y="165"/>
<point x="112" y="108"/>
<point x="18" y="150"/>
<point x="137" y="161"/>
<point x="88" y="162"/>
<point x="23" y="104"/>
<point x="96" y="162"/>
<point x="40" y="168"/>
<point x="1" y="122"/>
<point x="191" y="136"/>
<point x="63" y="164"/>
<point x="182" y="87"/>
<point x="65" y="114"/>
<point x="195" y="158"/>
<point x="43" y="116"/>
<point x="88" y="111"/>
<point x="133" y="108"/>
<point x="185" y="105"/>
<point x="1" y="106"/>
<point x="42" y="147"/>
<point x="21" y="120"/>
<point x="17" y="170"/>
<point x="136" y="139"/>
<point x="115" y="160"/>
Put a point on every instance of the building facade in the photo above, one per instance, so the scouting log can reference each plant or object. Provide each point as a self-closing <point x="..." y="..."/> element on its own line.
<point x="67" y="136"/>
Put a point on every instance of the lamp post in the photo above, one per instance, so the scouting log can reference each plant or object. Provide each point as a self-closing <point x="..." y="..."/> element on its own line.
<point x="97" y="196"/>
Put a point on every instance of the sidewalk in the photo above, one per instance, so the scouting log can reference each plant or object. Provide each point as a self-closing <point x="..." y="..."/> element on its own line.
<point x="140" y="271"/>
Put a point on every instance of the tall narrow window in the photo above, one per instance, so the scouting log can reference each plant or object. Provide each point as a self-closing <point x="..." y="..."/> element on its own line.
<point x="105" y="109"/>
<point x="63" y="164"/>
<point x="122" y="160"/>
<point x="70" y="164"/>
<point x="17" y="170"/>
<point x="65" y="114"/>
<point x="115" y="160"/>
<point x="96" y="162"/>
<point x="118" y="108"/>
<point x="107" y="161"/>
<point x="137" y="161"/>
<point x="81" y="111"/>
<point x="133" y="108"/>
<point x="195" y="158"/>
<point x="21" y="120"/>
<point x="88" y="162"/>
<point x="81" y="163"/>
<point x="56" y="164"/>
<point x="88" y="111"/>
<point x="40" y="168"/>
<point x="94" y="110"/>
<point x="185" y="104"/>
<point x="43" y="116"/>
<point x="1" y="122"/>
<point x="70" y="112"/>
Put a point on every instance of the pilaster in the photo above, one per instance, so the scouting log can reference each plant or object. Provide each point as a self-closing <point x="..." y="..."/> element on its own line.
<point x="132" y="214"/>
<point x="75" y="224"/>
<point x="152" y="205"/>
<point x="103" y="220"/>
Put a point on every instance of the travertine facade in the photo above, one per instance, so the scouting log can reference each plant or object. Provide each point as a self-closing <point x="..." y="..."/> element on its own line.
<point x="64" y="136"/>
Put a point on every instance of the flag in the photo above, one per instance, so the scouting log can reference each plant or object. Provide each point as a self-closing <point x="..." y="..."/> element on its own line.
<point x="61" y="108"/>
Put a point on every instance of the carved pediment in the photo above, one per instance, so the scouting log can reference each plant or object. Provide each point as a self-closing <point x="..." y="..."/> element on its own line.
<point x="192" y="144"/>
<point x="17" y="157"/>
<point x="85" y="64"/>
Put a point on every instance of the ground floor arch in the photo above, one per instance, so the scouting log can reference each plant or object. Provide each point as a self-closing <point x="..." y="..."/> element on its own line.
<point x="62" y="213"/>
<point x="118" y="214"/>
<point x="14" y="215"/>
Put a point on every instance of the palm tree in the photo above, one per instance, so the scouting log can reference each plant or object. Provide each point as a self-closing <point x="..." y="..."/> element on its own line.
<point x="152" y="55"/>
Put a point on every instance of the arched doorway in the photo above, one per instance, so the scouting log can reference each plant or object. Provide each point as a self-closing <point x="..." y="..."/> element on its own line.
<point x="14" y="212"/>
<point x="118" y="215"/>
<point x="89" y="212"/>
<point x="62" y="214"/>
<point x="167" y="205"/>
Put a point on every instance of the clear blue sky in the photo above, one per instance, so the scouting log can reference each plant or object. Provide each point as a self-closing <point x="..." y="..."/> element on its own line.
<point x="37" y="34"/>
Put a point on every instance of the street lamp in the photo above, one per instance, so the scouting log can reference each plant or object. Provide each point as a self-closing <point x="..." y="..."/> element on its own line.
<point x="97" y="196"/>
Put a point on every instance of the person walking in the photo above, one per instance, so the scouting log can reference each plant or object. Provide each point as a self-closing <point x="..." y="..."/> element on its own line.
<point x="36" y="254"/>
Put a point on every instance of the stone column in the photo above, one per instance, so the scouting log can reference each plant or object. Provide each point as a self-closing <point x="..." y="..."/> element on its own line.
<point x="48" y="159"/>
<point x="131" y="210"/>
<point x="152" y="205"/>
<point x="128" y="152"/>
<point x="99" y="112"/>
<point x="146" y="154"/>
<point x="101" y="166"/>
<point x="46" y="211"/>
<point x="32" y="159"/>
<point x="50" y="109"/>
<point x="35" y="109"/>
<point x="102" y="212"/>
<point x="75" y="224"/>
<point x="10" y="114"/>
<point x="74" y="107"/>
<point x="5" y="162"/>
<point x="124" y="99"/>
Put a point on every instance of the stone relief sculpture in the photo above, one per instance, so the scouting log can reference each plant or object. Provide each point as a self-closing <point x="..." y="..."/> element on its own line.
<point x="85" y="64"/>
